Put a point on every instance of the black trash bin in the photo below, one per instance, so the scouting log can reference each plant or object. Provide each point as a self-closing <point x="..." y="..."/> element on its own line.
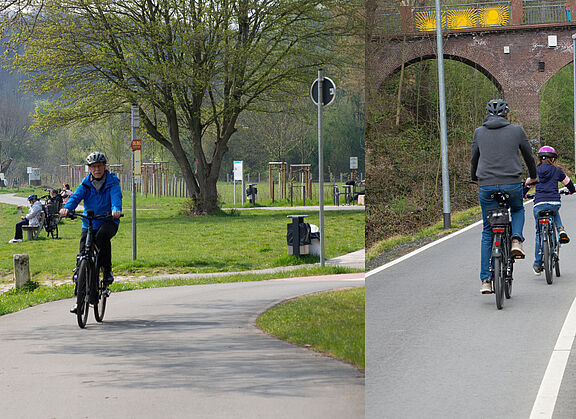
<point x="298" y="236"/>
<point x="251" y="192"/>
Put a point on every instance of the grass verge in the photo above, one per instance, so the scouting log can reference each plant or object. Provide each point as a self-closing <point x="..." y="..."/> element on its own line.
<point x="33" y="293"/>
<point x="393" y="247"/>
<point x="331" y="322"/>
<point x="168" y="242"/>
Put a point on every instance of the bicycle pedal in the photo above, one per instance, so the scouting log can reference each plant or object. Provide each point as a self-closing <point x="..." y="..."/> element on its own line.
<point x="519" y="257"/>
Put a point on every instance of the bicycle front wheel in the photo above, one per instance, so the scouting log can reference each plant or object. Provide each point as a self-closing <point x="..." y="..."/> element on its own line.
<point x="82" y="297"/>
<point x="548" y="257"/>
<point x="100" y="306"/>
<point x="498" y="282"/>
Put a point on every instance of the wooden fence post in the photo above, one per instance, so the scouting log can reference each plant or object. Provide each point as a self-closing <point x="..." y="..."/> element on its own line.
<point x="21" y="269"/>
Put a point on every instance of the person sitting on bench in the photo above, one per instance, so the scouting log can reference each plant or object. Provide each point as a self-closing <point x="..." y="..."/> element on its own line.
<point x="32" y="218"/>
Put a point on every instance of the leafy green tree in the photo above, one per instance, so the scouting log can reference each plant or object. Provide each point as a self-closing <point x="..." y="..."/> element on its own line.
<point x="192" y="66"/>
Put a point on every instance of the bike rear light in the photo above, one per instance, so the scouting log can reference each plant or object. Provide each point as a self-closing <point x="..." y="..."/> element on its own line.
<point x="544" y="221"/>
<point x="498" y="230"/>
<point x="497" y="244"/>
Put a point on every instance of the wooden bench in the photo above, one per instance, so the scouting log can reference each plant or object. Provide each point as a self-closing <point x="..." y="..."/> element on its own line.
<point x="34" y="231"/>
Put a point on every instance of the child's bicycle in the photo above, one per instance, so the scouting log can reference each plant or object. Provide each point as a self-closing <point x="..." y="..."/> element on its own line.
<point x="90" y="286"/>
<point x="549" y="242"/>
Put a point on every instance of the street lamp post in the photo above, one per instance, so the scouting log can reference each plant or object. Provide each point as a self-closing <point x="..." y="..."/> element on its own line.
<point x="443" y="128"/>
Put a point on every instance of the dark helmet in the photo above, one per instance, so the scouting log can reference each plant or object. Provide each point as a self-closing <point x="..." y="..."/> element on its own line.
<point x="497" y="107"/>
<point x="33" y="197"/>
<point x="96" y="157"/>
<point x="547" y="152"/>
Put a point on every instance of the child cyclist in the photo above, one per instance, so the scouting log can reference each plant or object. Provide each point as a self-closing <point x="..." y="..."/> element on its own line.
<point x="547" y="197"/>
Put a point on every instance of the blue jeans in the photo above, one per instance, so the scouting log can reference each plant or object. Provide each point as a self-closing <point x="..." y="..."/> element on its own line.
<point x="517" y="214"/>
<point x="557" y="223"/>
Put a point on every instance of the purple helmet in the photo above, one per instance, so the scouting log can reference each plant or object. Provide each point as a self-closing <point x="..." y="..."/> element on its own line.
<point x="547" y="152"/>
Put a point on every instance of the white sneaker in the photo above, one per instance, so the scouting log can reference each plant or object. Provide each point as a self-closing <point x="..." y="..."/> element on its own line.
<point x="15" y="241"/>
<point x="486" y="287"/>
<point x="517" y="249"/>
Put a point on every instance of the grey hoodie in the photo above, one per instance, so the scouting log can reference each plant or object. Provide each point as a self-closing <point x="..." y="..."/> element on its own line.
<point x="495" y="159"/>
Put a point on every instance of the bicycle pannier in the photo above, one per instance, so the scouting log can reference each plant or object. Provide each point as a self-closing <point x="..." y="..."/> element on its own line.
<point x="498" y="216"/>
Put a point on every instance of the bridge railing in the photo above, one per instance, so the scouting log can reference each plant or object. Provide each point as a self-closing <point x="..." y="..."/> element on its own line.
<point x="472" y="15"/>
<point x="538" y="11"/>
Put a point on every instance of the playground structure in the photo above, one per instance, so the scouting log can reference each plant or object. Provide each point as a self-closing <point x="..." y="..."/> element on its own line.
<point x="118" y="169"/>
<point x="305" y="172"/>
<point x="155" y="178"/>
<point x="72" y="173"/>
<point x="279" y="167"/>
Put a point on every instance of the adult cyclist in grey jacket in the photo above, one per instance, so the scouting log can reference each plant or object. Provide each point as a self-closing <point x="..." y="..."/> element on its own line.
<point x="496" y="166"/>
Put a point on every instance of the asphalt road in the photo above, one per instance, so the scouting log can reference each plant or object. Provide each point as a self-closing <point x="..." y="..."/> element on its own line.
<point x="183" y="352"/>
<point x="437" y="348"/>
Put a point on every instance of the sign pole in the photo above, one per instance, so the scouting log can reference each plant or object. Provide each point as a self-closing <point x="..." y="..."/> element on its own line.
<point x="134" y="122"/>
<point x="321" y="166"/>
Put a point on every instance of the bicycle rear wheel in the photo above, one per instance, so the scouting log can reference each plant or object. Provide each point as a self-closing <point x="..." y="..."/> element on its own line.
<point x="498" y="282"/>
<point x="82" y="297"/>
<point x="548" y="256"/>
<point x="100" y="306"/>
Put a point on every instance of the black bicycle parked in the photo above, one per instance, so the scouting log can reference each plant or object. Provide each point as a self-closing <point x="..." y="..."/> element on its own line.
<point x="51" y="208"/>
<point x="502" y="260"/>
<point x="90" y="286"/>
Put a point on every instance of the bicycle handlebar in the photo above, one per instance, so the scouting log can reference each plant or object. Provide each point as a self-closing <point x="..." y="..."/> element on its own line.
<point x="72" y="215"/>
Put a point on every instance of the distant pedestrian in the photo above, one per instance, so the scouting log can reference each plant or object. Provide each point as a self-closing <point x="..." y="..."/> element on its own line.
<point x="65" y="193"/>
<point x="32" y="218"/>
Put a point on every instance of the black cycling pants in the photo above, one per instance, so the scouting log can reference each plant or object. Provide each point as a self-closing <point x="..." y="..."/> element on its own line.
<point x="102" y="238"/>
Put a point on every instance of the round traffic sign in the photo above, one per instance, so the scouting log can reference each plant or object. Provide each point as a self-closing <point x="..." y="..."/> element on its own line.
<point x="328" y="91"/>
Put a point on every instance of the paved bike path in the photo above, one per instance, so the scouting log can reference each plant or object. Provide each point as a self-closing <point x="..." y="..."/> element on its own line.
<point x="182" y="352"/>
<point x="436" y="347"/>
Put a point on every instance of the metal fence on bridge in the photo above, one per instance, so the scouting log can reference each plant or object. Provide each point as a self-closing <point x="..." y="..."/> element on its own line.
<point x="469" y="16"/>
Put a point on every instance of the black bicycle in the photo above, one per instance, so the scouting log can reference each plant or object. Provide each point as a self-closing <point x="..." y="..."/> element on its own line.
<point x="549" y="242"/>
<point x="51" y="208"/>
<point x="502" y="260"/>
<point x="90" y="286"/>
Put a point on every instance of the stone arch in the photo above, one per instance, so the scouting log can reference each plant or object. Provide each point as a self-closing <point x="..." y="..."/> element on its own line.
<point x="477" y="66"/>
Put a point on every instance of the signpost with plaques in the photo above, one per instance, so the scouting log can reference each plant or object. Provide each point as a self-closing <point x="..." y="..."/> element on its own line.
<point x="353" y="165"/>
<point x="136" y="145"/>
<point x="239" y="176"/>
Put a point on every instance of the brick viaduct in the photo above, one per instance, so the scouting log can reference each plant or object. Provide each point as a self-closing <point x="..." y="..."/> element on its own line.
<point x="517" y="59"/>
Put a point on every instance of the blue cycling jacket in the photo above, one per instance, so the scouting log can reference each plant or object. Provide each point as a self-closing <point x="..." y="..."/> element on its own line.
<point x="107" y="200"/>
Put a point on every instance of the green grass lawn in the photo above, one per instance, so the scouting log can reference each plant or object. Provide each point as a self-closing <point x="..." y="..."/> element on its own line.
<point x="331" y="322"/>
<point x="169" y="242"/>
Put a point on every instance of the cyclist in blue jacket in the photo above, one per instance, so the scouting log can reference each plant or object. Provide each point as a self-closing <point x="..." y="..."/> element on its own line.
<point x="547" y="197"/>
<point x="101" y="193"/>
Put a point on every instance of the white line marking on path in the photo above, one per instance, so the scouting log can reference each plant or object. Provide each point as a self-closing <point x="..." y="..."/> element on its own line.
<point x="422" y="249"/>
<point x="550" y="386"/>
